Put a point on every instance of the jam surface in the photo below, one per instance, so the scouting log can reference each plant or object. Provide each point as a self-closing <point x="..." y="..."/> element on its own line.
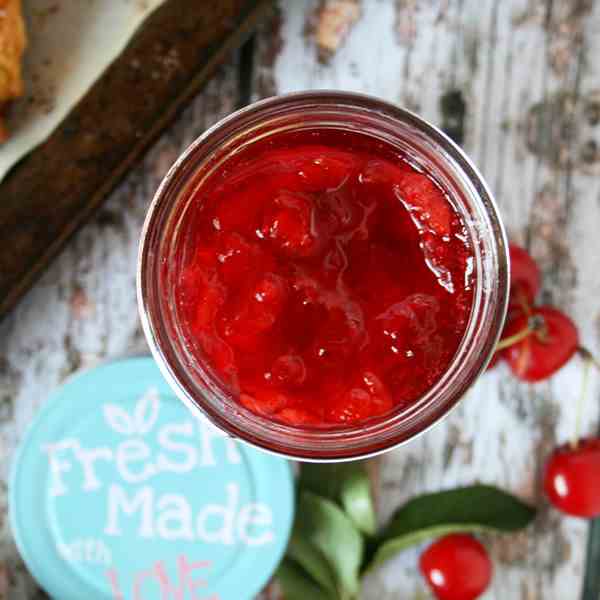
<point x="324" y="280"/>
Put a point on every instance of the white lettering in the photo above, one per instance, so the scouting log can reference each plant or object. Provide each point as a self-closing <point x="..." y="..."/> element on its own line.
<point x="134" y="451"/>
<point x="57" y="466"/>
<point x="252" y="515"/>
<point x="89" y="550"/>
<point x="117" y="501"/>
<point x="65" y="551"/>
<point x="87" y="458"/>
<point x="174" y="509"/>
<point x="103" y="553"/>
<point x="165" y="439"/>
<point x="225" y="533"/>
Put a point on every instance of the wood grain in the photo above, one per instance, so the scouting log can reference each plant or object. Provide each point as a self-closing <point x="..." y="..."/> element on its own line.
<point x="527" y="74"/>
<point x="53" y="191"/>
<point x="83" y="310"/>
<point x="514" y="81"/>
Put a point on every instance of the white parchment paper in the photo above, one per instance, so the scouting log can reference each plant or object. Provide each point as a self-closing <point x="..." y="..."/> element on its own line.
<point x="71" y="42"/>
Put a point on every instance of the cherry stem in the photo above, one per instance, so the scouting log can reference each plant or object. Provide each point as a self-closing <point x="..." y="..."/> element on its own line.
<point x="588" y="356"/>
<point x="511" y="340"/>
<point x="522" y="300"/>
<point x="588" y="362"/>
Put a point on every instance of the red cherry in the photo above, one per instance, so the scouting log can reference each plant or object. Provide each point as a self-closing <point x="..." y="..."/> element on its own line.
<point x="456" y="567"/>
<point x="571" y="479"/>
<point x="510" y="317"/>
<point x="525" y="277"/>
<point x="549" y="347"/>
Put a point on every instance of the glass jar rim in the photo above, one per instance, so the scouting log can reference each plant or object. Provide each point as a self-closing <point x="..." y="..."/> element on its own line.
<point x="335" y="444"/>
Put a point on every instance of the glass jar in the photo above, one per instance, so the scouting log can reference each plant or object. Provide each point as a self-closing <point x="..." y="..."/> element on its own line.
<point x="158" y="269"/>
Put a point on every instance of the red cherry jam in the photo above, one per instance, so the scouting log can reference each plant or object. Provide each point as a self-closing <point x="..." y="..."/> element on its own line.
<point x="325" y="280"/>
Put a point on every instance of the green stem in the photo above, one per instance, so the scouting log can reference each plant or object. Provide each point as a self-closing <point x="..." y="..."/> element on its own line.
<point x="588" y="356"/>
<point x="513" y="339"/>
<point x="522" y="300"/>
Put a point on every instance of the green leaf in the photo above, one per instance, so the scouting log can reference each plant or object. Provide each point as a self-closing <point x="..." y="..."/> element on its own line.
<point x="356" y="499"/>
<point x="321" y="479"/>
<point x="310" y="557"/>
<point x="297" y="585"/>
<point x="345" y="483"/>
<point x="475" y="508"/>
<point x="325" y="527"/>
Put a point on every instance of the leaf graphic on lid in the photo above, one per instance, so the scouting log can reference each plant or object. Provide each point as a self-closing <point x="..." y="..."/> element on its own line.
<point x="118" y="419"/>
<point x="146" y="411"/>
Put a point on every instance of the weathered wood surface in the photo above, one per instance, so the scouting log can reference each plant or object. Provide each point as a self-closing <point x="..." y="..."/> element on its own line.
<point x="528" y="75"/>
<point x="167" y="61"/>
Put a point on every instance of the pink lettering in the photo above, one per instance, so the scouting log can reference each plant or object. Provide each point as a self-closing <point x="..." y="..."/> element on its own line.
<point x="114" y="584"/>
<point x="185" y="576"/>
<point x="188" y="582"/>
<point x="141" y="578"/>
<point x="165" y="585"/>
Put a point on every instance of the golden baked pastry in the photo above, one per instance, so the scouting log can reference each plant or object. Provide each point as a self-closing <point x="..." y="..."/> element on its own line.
<point x="12" y="46"/>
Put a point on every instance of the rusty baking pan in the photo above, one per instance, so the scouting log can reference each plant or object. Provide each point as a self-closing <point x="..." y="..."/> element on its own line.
<point x="56" y="188"/>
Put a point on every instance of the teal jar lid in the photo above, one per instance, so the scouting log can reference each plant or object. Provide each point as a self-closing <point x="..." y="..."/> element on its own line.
<point x="118" y="492"/>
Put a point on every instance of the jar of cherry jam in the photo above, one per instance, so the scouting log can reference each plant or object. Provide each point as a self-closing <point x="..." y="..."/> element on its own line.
<point x="323" y="275"/>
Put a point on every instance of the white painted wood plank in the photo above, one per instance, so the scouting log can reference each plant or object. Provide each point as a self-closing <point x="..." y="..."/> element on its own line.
<point x="84" y="309"/>
<point x="500" y="55"/>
